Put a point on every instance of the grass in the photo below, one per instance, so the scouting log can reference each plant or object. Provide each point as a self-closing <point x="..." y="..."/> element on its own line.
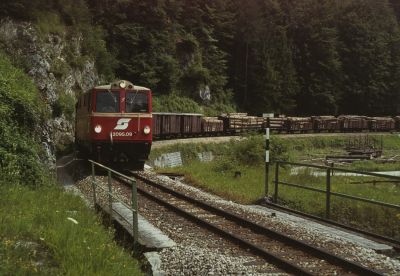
<point x="383" y="220"/>
<point x="244" y="189"/>
<point x="218" y="177"/>
<point x="49" y="232"/>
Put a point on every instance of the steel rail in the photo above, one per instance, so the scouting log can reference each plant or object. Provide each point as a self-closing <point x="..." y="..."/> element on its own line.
<point x="274" y="259"/>
<point x="305" y="247"/>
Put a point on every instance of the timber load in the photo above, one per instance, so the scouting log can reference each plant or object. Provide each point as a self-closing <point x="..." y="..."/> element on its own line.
<point x="279" y="123"/>
<point x="237" y="122"/>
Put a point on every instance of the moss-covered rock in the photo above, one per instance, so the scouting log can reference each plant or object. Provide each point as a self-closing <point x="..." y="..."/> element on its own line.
<point x="49" y="58"/>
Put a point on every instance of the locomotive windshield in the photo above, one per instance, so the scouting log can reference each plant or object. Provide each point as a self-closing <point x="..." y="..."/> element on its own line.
<point x="107" y="101"/>
<point x="137" y="102"/>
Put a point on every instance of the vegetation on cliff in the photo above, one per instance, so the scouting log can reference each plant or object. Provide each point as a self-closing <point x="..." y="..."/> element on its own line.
<point x="21" y="112"/>
<point x="65" y="18"/>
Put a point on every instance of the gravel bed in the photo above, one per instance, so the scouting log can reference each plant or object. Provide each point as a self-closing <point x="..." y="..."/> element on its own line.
<point x="199" y="252"/>
<point x="298" y="256"/>
<point x="331" y="242"/>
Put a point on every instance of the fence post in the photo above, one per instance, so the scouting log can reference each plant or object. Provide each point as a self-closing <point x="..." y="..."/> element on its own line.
<point x="328" y="193"/>
<point x="94" y="186"/>
<point x="110" y="195"/>
<point x="276" y="182"/>
<point x="135" y="229"/>
<point x="266" y="158"/>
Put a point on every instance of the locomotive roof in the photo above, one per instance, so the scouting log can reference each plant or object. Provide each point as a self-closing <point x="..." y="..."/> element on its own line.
<point x="117" y="84"/>
<point x="135" y="87"/>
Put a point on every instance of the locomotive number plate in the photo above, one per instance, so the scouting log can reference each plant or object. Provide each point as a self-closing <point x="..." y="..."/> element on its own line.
<point x="122" y="134"/>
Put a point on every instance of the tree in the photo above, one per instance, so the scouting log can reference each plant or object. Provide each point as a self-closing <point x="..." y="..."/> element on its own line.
<point x="369" y="35"/>
<point x="315" y="55"/>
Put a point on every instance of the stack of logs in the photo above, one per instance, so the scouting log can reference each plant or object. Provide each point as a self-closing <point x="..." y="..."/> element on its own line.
<point x="278" y="123"/>
<point x="236" y="122"/>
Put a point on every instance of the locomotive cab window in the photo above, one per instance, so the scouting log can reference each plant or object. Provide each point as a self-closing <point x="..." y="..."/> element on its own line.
<point x="137" y="102"/>
<point x="107" y="101"/>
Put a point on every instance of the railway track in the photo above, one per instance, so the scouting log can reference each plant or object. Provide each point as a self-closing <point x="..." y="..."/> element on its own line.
<point x="287" y="254"/>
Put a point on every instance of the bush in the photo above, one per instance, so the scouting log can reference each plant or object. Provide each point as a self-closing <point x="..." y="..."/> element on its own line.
<point x="65" y="105"/>
<point x="224" y="165"/>
<point x="216" y="109"/>
<point x="175" y="103"/>
<point x="59" y="68"/>
<point x="21" y="112"/>
<point x="251" y="150"/>
<point x="49" y="23"/>
<point x="94" y="46"/>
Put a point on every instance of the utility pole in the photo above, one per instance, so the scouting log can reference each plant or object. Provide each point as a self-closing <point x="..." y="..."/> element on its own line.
<point x="266" y="158"/>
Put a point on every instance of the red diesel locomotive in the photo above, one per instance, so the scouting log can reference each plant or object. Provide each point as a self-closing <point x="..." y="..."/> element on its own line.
<point x="114" y="124"/>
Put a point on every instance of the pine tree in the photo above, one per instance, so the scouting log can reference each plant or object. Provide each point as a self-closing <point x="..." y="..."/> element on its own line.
<point x="369" y="35"/>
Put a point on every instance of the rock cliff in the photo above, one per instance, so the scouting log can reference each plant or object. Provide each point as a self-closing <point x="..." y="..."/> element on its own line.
<point x="51" y="61"/>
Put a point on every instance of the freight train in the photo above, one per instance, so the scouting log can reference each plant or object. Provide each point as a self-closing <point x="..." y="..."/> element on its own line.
<point x="114" y="124"/>
<point x="172" y="125"/>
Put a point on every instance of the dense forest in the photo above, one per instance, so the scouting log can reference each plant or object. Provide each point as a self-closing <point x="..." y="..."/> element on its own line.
<point x="295" y="57"/>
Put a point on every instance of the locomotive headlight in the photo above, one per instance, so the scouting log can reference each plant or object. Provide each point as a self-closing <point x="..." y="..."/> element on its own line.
<point x="122" y="84"/>
<point x="97" y="129"/>
<point x="146" y="130"/>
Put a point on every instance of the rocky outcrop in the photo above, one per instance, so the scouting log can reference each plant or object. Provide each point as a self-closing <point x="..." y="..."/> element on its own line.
<point x="48" y="60"/>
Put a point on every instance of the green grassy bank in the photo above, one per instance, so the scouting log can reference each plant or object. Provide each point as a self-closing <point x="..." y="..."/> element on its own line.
<point x="45" y="231"/>
<point x="247" y="157"/>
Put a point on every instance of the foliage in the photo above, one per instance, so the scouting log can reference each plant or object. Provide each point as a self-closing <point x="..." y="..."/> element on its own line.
<point x="59" y="68"/>
<point x="369" y="35"/>
<point x="158" y="45"/>
<point x="216" y="109"/>
<point x="294" y="57"/>
<point x="175" y="103"/>
<point x="48" y="232"/>
<point x="65" y="105"/>
<point x="49" y="23"/>
<point x="21" y="111"/>
<point x="95" y="47"/>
